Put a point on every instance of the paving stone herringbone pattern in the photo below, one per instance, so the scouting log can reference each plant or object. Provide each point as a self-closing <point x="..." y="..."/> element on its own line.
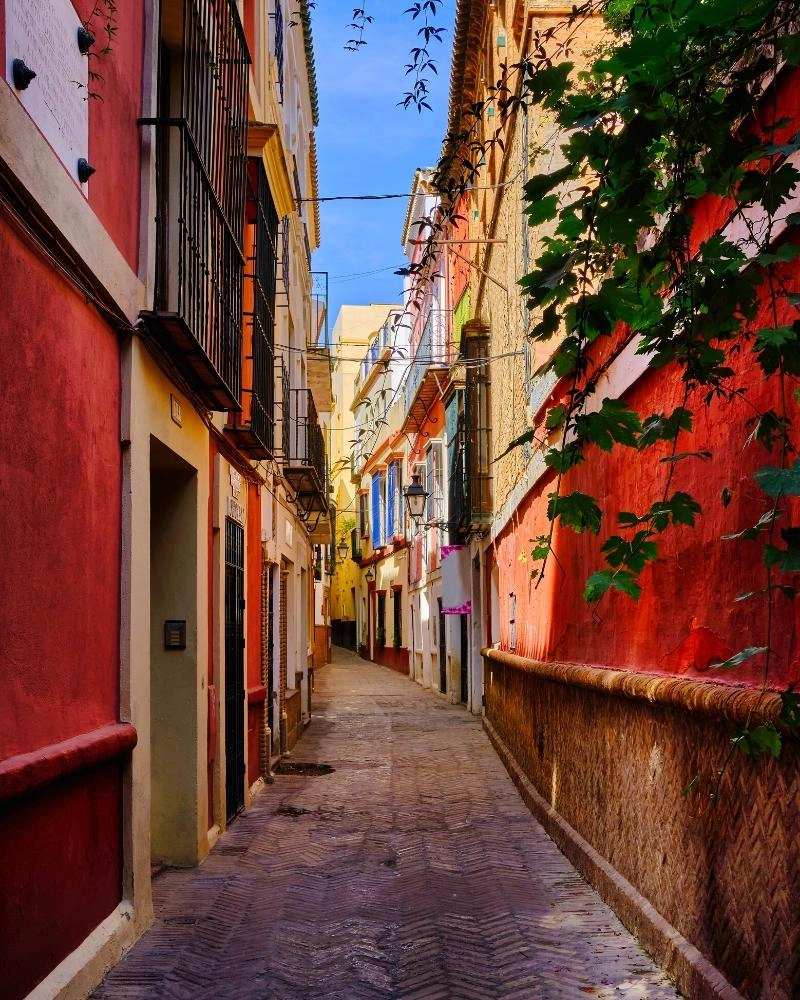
<point x="414" y="871"/>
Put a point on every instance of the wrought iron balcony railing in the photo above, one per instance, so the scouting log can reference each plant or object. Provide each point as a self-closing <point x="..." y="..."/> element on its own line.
<point x="201" y="141"/>
<point x="254" y="426"/>
<point x="305" y="462"/>
<point x="380" y="350"/>
<point x="430" y="354"/>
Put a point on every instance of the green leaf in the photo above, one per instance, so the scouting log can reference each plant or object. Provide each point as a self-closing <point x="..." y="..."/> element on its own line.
<point x="790" y="48"/>
<point x="525" y="438"/>
<point x="548" y="85"/>
<point x="777" y="482"/>
<point x="762" y="524"/>
<point x="762" y="739"/>
<point x="613" y="422"/>
<point x="576" y="510"/>
<point x="542" y="210"/>
<point x="790" y="708"/>
<point x="658" y="427"/>
<point x="540" y="184"/>
<point x="687" y="790"/>
<point x="739" y="658"/>
<point x="770" y="427"/>
<point x="634" y="554"/>
<point x="555" y="418"/>
<point x="603" y="580"/>
<point x="562" y="459"/>
<point x="542" y="547"/>
<point x="785" y="253"/>
<point x="680" y="509"/>
<point x="784" y="560"/>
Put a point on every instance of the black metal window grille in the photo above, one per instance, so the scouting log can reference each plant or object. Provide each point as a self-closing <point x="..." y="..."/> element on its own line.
<point x="307" y="444"/>
<point x="456" y="467"/>
<point x="202" y="141"/>
<point x="285" y="252"/>
<point x="355" y="547"/>
<point x="284" y="406"/>
<point x="478" y="430"/>
<point x="261" y="274"/>
<point x="298" y="192"/>
<point x="278" y="16"/>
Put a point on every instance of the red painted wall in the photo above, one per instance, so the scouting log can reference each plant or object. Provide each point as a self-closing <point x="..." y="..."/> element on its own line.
<point x="60" y="849"/>
<point x="115" y="139"/>
<point x="59" y="507"/>
<point x="61" y="870"/>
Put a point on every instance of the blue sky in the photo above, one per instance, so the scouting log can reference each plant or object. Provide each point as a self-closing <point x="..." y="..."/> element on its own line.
<point x="368" y="145"/>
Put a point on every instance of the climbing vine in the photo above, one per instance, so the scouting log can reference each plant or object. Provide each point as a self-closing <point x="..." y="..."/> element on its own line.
<point x="677" y="110"/>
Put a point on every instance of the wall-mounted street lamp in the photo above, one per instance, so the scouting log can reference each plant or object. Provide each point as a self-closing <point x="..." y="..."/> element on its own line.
<point x="370" y="575"/>
<point x="415" y="498"/>
<point x="342" y="548"/>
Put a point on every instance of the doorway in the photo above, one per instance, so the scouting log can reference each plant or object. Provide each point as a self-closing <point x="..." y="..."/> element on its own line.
<point x="234" y="668"/>
<point x="174" y="683"/>
<point x="442" y="649"/>
<point x="464" y="619"/>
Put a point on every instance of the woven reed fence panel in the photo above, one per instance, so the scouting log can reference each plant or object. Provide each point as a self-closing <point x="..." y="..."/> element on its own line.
<point x="613" y="763"/>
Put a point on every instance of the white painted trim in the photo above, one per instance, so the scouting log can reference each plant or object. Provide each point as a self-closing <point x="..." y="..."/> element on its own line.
<point x="44" y="178"/>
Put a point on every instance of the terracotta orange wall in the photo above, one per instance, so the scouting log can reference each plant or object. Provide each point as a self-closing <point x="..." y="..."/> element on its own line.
<point x="687" y="615"/>
<point x="60" y="465"/>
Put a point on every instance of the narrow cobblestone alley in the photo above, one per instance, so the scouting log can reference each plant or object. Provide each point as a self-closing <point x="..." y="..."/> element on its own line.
<point x="412" y="871"/>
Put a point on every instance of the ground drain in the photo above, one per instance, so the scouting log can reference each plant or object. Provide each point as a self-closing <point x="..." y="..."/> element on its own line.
<point x="285" y="766"/>
<point x="291" y="811"/>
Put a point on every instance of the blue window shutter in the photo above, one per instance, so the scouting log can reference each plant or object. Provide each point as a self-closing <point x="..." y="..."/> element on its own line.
<point x="390" y="489"/>
<point x="376" y="511"/>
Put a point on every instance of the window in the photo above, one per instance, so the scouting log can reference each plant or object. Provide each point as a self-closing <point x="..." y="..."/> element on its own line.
<point x="391" y="504"/>
<point x="477" y="420"/>
<point x="363" y="515"/>
<point x="278" y="46"/>
<point x="378" y="507"/>
<point x="435" y="479"/>
<point x="397" y="637"/>
<point x="255" y="424"/>
<point x="420" y="469"/>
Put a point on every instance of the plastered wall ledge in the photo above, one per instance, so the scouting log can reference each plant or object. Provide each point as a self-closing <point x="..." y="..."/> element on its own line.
<point x="83" y="969"/>
<point x="717" y="700"/>
<point x="695" y="976"/>
<point x="28" y="772"/>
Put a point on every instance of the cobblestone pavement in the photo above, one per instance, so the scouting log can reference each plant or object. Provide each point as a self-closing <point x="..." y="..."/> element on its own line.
<point x="413" y="871"/>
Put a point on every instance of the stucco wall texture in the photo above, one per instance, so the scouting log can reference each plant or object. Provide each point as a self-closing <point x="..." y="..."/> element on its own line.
<point x="59" y="618"/>
<point x="687" y="617"/>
